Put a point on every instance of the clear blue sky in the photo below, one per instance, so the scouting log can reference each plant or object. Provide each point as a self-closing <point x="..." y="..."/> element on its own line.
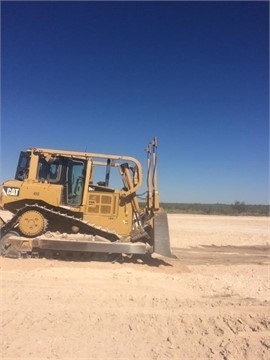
<point x="108" y="76"/>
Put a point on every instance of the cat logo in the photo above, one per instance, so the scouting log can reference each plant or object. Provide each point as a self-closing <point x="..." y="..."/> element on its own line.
<point x="11" y="191"/>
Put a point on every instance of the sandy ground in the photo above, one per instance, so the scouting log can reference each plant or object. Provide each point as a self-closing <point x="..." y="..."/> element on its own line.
<point x="210" y="303"/>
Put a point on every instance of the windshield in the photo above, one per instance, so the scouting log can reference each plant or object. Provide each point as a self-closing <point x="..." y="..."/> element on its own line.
<point x="49" y="171"/>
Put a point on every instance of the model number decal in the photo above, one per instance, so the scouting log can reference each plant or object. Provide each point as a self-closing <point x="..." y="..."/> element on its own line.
<point x="11" y="191"/>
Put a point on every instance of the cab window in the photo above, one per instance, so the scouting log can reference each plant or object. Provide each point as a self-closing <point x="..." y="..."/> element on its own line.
<point x="23" y="166"/>
<point x="49" y="171"/>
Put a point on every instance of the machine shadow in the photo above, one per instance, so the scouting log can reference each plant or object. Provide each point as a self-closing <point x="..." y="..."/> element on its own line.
<point x="142" y="260"/>
<point x="146" y="259"/>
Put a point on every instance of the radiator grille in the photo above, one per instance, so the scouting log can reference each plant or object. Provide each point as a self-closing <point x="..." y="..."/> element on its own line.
<point x="105" y="199"/>
<point x="105" y="209"/>
<point x="102" y="204"/>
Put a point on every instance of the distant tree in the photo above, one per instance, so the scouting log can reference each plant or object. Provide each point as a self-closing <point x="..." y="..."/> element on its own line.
<point x="239" y="206"/>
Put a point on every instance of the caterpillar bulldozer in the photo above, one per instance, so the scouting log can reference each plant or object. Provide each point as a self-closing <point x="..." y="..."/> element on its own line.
<point x="82" y="202"/>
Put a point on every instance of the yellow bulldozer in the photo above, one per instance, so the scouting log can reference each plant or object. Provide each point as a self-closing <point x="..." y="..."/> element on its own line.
<point x="83" y="202"/>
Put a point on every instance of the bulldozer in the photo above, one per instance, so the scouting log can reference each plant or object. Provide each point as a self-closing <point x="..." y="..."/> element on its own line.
<point x="82" y="202"/>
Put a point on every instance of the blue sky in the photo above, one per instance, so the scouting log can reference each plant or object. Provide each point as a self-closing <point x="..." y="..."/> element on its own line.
<point x="108" y="76"/>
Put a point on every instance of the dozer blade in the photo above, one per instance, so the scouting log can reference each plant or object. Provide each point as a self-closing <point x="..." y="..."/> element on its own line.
<point x="161" y="235"/>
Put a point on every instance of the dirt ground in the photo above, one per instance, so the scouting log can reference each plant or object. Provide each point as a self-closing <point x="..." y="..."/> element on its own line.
<point x="210" y="303"/>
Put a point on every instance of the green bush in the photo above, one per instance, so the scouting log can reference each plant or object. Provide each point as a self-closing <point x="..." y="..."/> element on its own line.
<point x="238" y="208"/>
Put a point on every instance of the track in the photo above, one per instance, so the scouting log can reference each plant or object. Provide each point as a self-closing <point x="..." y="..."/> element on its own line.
<point x="59" y="221"/>
<point x="56" y="223"/>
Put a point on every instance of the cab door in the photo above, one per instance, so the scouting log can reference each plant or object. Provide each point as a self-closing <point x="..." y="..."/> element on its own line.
<point x="75" y="182"/>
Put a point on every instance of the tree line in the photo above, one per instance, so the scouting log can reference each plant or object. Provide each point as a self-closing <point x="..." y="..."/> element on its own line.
<point x="237" y="208"/>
